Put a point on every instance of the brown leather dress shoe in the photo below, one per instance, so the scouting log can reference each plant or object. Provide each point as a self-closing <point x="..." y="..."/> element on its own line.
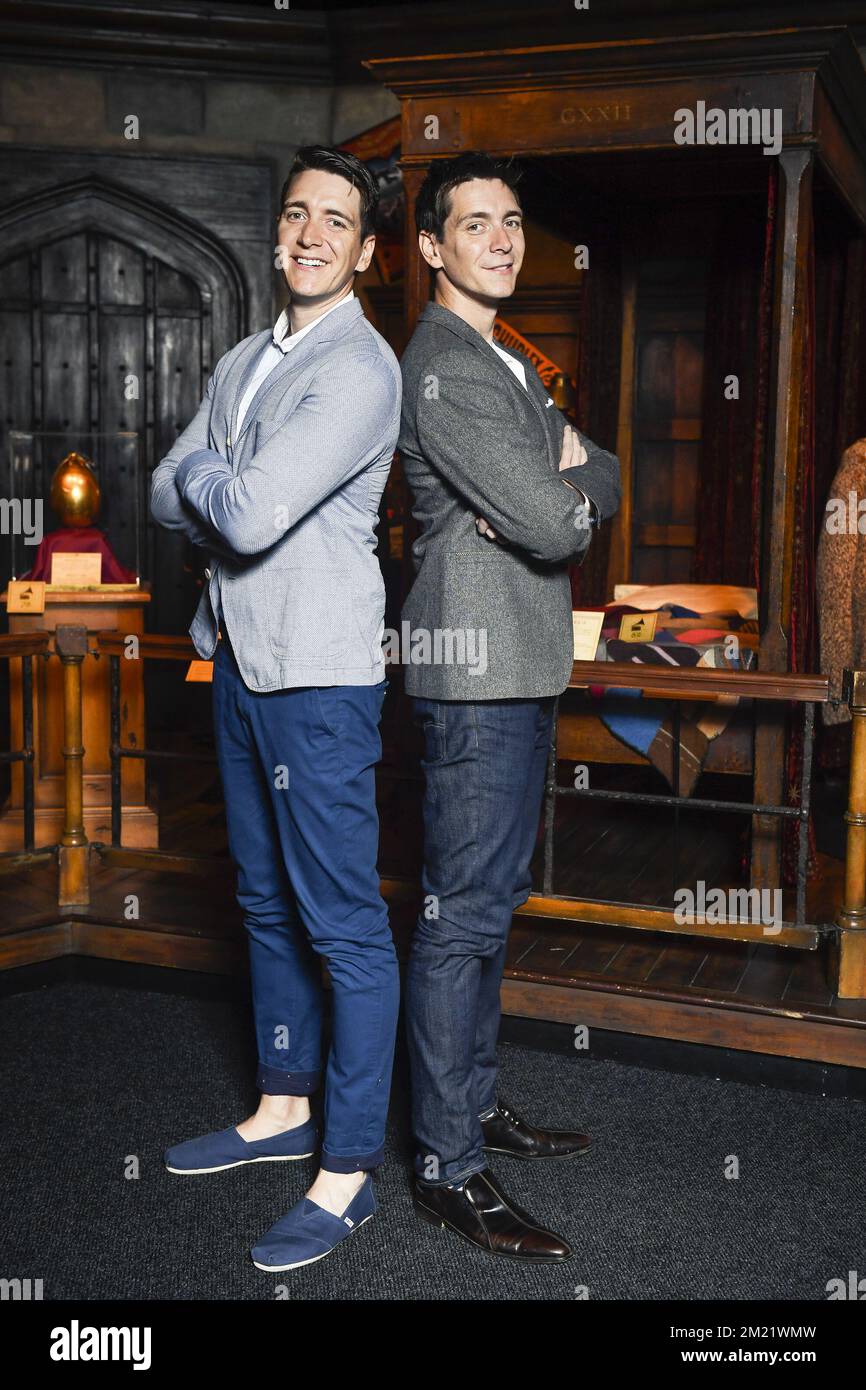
<point x="505" y="1133"/>
<point x="479" y="1211"/>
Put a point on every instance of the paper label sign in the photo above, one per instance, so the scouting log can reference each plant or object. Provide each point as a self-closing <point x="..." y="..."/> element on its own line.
<point x="586" y="628"/>
<point x="75" y="569"/>
<point x="638" y="627"/>
<point x="26" y="596"/>
<point x="199" y="671"/>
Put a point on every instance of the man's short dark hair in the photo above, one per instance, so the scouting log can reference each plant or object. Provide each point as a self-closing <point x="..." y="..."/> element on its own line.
<point x="433" y="203"/>
<point x="349" y="167"/>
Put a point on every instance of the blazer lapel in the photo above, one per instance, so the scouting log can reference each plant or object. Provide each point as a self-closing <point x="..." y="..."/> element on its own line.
<point x="534" y="388"/>
<point x="334" y="325"/>
<point x="238" y="380"/>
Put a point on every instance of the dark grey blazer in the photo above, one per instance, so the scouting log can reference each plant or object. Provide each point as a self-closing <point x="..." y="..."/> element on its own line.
<point x="474" y="442"/>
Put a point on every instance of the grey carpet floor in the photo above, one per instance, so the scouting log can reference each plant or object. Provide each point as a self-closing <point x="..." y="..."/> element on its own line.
<point x="95" y="1081"/>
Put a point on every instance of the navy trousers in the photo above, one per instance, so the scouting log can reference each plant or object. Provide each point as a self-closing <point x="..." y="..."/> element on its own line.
<point x="298" y="770"/>
<point x="484" y="767"/>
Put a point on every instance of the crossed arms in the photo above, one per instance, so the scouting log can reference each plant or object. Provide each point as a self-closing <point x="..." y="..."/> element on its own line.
<point x="335" y="431"/>
<point x="506" y="484"/>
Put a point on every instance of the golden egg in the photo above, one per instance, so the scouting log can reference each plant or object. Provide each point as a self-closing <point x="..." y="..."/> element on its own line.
<point x="75" y="495"/>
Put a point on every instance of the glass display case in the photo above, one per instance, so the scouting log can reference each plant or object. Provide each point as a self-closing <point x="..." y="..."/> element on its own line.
<point x="97" y="500"/>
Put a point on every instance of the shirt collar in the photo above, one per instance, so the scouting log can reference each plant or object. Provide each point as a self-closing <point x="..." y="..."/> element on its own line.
<point x="285" y="340"/>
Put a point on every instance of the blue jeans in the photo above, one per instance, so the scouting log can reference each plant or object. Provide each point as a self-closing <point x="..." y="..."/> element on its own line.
<point x="484" y="767"/>
<point x="298" y="772"/>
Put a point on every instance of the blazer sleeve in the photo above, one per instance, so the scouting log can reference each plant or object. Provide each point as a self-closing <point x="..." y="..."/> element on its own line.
<point x="348" y="417"/>
<point x="472" y="437"/>
<point x="598" y="478"/>
<point x="166" y="504"/>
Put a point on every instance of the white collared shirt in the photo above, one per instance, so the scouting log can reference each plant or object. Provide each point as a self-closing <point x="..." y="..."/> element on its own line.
<point x="282" y="342"/>
<point x="517" y="367"/>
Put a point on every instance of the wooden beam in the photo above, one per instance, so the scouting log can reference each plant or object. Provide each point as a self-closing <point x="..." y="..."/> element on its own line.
<point x="662" y="919"/>
<point x="747" y="1029"/>
<point x="686" y="682"/>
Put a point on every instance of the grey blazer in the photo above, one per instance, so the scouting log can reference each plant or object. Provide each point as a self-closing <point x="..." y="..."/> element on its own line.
<point x="474" y="442"/>
<point x="287" y="506"/>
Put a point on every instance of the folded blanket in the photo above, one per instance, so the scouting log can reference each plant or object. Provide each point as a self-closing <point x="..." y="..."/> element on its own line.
<point x="648" y="726"/>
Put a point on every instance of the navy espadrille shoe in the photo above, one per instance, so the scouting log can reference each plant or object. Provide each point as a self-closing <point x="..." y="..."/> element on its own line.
<point x="308" y="1233"/>
<point x="211" y="1153"/>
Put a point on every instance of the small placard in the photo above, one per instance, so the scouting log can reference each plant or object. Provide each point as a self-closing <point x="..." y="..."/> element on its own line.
<point x="638" y="627"/>
<point x="75" y="569"/>
<point x="199" y="671"/>
<point x="586" y="628"/>
<point x="26" y="596"/>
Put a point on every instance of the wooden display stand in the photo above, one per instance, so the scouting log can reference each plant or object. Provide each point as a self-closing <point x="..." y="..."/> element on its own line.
<point x="99" y="611"/>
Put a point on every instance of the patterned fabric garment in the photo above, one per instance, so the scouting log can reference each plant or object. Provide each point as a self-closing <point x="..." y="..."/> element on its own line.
<point x="650" y="728"/>
<point x="841" y="579"/>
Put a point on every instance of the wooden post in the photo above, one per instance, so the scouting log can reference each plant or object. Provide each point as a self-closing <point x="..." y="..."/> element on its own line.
<point x="620" y="556"/>
<point x="851" y="956"/>
<point x="793" y="238"/>
<point x="73" y="851"/>
<point x="416" y="280"/>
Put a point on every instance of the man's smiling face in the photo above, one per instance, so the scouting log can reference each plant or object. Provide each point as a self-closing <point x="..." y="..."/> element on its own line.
<point x="320" y="236"/>
<point x="482" y="249"/>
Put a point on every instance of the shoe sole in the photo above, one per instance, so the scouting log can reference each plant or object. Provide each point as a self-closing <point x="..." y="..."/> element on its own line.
<point x="535" y="1158"/>
<point x="279" y="1269"/>
<point x="241" y="1163"/>
<point x="435" y="1219"/>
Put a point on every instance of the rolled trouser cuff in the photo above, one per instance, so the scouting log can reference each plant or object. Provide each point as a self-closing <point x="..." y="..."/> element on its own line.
<point x="271" y="1081"/>
<point x="337" y="1163"/>
<point x="454" y="1179"/>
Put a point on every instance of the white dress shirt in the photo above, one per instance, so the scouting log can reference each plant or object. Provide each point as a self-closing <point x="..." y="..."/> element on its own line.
<point x="517" y="367"/>
<point x="283" y="342"/>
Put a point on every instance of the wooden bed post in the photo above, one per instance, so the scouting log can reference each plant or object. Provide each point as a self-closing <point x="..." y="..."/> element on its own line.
<point x="619" y="558"/>
<point x="793" y="238"/>
<point x="416" y="287"/>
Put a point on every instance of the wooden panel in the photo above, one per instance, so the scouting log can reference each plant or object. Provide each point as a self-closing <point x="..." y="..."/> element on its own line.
<point x="15" y="282"/>
<point x="110" y="613"/>
<point x="64" y="270"/>
<point x="16" y="392"/>
<point x="839" y="158"/>
<point x="565" y="909"/>
<point x="746" y="1031"/>
<point x="122" y="352"/>
<point x="683" y="536"/>
<point x="121" y="273"/>
<point x="583" y="738"/>
<point x="65" y="373"/>
<point x="549" y="955"/>
<point x="661" y="565"/>
<point x="666" y="484"/>
<point x="175" y="291"/>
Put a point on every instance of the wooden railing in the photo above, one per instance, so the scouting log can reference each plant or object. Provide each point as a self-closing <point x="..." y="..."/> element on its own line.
<point x="25" y="646"/>
<point x="669" y="683"/>
<point x="676" y="685"/>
